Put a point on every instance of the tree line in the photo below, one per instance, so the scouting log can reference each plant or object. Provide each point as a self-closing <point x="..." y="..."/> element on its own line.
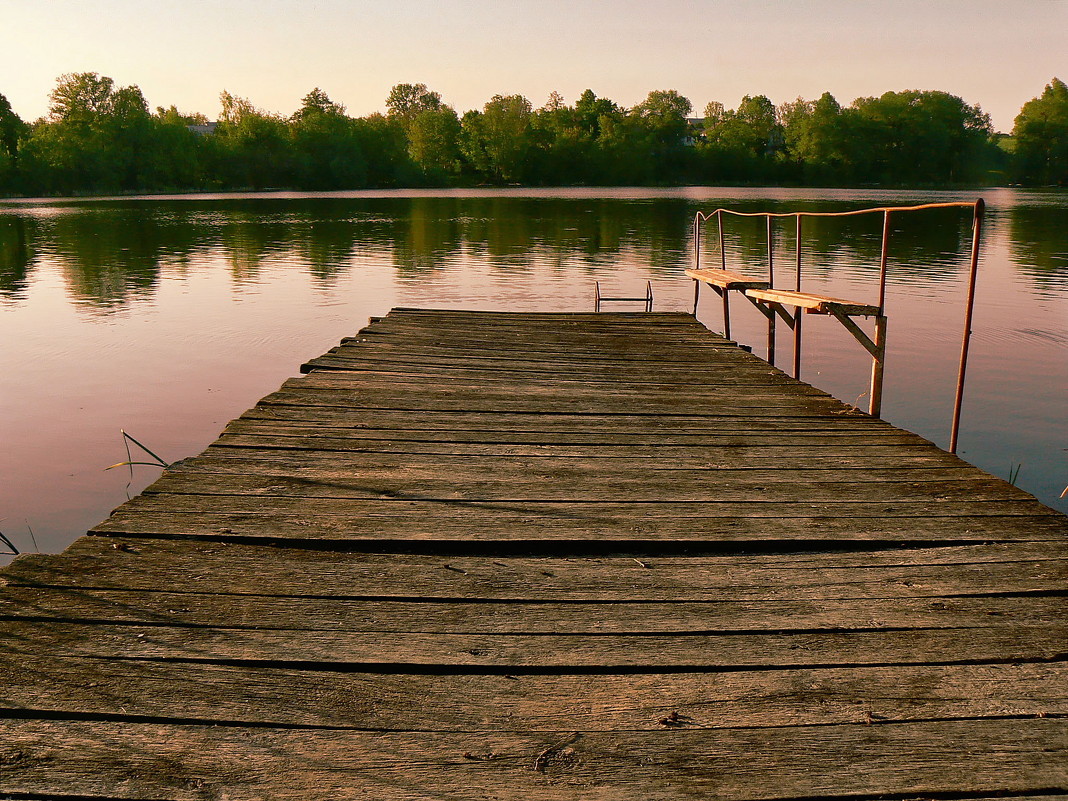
<point x="100" y="138"/>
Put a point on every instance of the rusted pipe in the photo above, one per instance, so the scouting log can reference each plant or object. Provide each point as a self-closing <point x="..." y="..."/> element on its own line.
<point x="882" y="260"/>
<point x="797" y="313"/>
<point x="977" y="230"/>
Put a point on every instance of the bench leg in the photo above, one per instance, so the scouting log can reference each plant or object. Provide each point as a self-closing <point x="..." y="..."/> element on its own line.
<point x="771" y="339"/>
<point x="726" y="314"/>
<point x="877" y="363"/>
<point x="797" y="343"/>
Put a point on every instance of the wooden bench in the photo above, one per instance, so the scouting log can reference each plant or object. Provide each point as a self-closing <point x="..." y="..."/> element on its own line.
<point x="722" y="283"/>
<point x="814" y="304"/>
<point x="725" y="279"/>
<point x="774" y="301"/>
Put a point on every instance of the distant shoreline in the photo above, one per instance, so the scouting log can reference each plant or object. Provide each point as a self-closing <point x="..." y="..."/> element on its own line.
<point x="621" y="192"/>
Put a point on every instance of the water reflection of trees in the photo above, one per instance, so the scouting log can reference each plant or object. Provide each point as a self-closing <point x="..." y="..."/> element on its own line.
<point x="521" y="232"/>
<point x="249" y="237"/>
<point x="1038" y="244"/>
<point x="16" y="255"/>
<point x="111" y="253"/>
<point x="426" y="233"/>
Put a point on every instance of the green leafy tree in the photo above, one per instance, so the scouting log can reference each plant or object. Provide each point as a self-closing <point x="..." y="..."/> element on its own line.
<point x="252" y="147"/>
<point x="751" y="129"/>
<point x="385" y="147"/>
<point x="563" y="149"/>
<point x="67" y="151"/>
<point x="407" y="100"/>
<point x="80" y="97"/>
<point x="662" y="120"/>
<point x="172" y="116"/>
<point x="130" y="132"/>
<point x="627" y="150"/>
<point x="714" y="113"/>
<point x="1040" y="137"/>
<point x="434" y="142"/>
<point x="317" y="102"/>
<point x="326" y="148"/>
<point x="923" y="137"/>
<point x="817" y="138"/>
<point x="592" y="110"/>
<point x="12" y="131"/>
<point x="742" y="144"/>
<point x="496" y="141"/>
<point x="664" y="114"/>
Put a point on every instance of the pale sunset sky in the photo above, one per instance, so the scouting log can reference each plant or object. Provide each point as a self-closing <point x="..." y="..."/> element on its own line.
<point x="185" y="52"/>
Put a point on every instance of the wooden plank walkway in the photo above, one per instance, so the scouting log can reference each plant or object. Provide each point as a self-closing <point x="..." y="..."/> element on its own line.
<point x="546" y="556"/>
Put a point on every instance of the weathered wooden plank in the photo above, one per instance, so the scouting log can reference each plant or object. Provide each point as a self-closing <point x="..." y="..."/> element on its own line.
<point x="367" y="361"/>
<point x="605" y="343"/>
<point x="628" y="321"/>
<point x="816" y="452"/>
<point x="720" y="375"/>
<point x="953" y="759"/>
<point x="393" y="651"/>
<point x="728" y="380"/>
<point x="310" y="454"/>
<point x="199" y="517"/>
<point x="623" y="420"/>
<point x="726" y="279"/>
<point x="131" y="563"/>
<point x="329" y="383"/>
<point x="470" y="362"/>
<point x="564" y="427"/>
<point x="814" y="303"/>
<point x="640" y="355"/>
<point x="644" y="352"/>
<point x="539" y="320"/>
<point x="287" y="481"/>
<point x="943" y="512"/>
<point x="741" y="521"/>
<point x="191" y="608"/>
<point x="418" y="403"/>
<point x="493" y="702"/>
<point x="447" y="399"/>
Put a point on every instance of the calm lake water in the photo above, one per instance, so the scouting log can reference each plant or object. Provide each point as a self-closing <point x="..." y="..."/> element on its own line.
<point x="167" y="317"/>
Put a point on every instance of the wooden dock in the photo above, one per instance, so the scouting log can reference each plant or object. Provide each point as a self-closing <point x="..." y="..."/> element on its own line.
<point x="546" y="556"/>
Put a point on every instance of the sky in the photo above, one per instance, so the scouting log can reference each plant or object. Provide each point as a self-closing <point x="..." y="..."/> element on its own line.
<point x="994" y="53"/>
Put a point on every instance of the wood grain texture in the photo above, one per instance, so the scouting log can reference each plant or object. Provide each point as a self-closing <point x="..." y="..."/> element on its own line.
<point x="96" y="562"/>
<point x="285" y="696"/>
<point x="192" y="762"/>
<point x="546" y="556"/>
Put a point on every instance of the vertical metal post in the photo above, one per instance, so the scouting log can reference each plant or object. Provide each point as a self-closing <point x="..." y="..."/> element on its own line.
<point x="722" y="252"/>
<point x="697" y="241"/>
<point x="882" y="260"/>
<point x="725" y="294"/>
<point x="696" y="259"/>
<point x="977" y="230"/>
<point x="875" y="405"/>
<point x="797" y="312"/>
<point x="771" y="282"/>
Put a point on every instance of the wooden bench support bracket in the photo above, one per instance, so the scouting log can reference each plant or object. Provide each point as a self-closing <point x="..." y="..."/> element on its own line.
<point x="876" y="348"/>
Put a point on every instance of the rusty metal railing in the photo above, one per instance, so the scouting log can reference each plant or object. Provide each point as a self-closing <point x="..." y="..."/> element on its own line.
<point x="770" y="306"/>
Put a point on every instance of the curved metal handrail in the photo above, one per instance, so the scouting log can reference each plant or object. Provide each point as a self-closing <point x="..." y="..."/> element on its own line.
<point x="978" y="207"/>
